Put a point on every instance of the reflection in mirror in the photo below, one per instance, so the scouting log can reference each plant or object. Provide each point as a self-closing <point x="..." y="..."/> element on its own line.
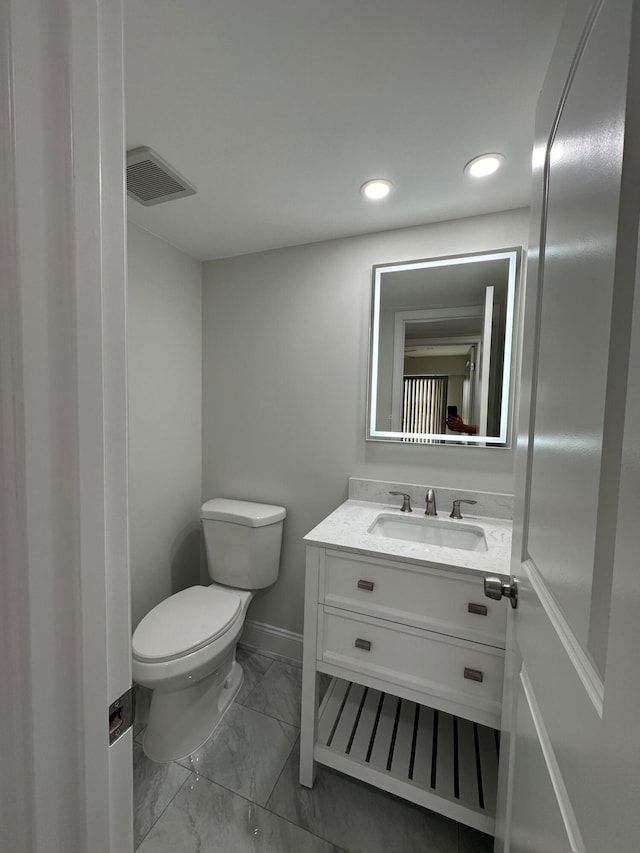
<point x="441" y="349"/>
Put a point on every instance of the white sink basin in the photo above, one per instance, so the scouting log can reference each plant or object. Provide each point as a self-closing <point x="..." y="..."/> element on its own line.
<point x="430" y="531"/>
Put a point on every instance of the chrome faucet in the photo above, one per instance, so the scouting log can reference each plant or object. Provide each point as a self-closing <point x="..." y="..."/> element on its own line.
<point x="406" y="501"/>
<point x="455" y="510"/>
<point x="431" y="503"/>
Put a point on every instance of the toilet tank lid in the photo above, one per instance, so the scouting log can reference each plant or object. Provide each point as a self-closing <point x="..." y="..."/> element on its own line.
<point x="242" y="512"/>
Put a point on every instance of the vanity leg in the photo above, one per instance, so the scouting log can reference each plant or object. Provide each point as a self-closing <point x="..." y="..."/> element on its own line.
<point x="309" y="716"/>
<point x="308" y="727"/>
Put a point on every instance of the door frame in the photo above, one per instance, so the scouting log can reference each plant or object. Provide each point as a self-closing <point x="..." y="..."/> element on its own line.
<point x="63" y="427"/>
<point x="400" y="322"/>
<point x="16" y="755"/>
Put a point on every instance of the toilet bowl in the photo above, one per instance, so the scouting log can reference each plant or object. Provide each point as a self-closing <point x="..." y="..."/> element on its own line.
<point x="189" y="663"/>
<point x="184" y="649"/>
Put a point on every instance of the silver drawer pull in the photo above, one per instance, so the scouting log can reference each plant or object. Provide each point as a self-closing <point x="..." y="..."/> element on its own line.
<point x="480" y="609"/>
<point x="473" y="674"/>
<point x="368" y="585"/>
<point x="365" y="645"/>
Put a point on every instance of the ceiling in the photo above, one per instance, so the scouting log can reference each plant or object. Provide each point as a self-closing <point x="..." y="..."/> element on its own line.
<point x="278" y="110"/>
<point x="449" y="286"/>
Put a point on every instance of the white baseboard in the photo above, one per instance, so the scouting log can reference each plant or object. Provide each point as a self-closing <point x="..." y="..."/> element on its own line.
<point x="270" y="638"/>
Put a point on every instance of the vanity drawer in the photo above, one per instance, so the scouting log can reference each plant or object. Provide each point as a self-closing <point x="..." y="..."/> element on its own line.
<point x="446" y="602"/>
<point x="433" y="664"/>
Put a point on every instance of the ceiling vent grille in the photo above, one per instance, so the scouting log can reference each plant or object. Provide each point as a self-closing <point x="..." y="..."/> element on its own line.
<point x="151" y="180"/>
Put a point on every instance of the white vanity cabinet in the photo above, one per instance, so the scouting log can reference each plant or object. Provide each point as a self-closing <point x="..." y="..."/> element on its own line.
<point x="416" y="654"/>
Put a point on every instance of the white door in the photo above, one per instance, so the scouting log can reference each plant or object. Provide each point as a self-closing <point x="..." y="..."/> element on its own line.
<point x="571" y="769"/>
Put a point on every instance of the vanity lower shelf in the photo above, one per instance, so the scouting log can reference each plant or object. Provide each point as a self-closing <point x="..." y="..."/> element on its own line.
<point x="440" y="761"/>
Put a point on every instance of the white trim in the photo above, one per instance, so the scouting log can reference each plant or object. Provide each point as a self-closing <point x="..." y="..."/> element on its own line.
<point x="484" y="372"/>
<point x="16" y="760"/>
<point x="270" y="638"/>
<point x="562" y="795"/>
<point x="40" y="37"/>
<point x="580" y="660"/>
<point x="99" y="272"/>
<point x="67" y="416"/>
<point x="423" y="315"/>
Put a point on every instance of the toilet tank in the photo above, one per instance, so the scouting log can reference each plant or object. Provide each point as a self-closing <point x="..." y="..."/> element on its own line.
<point x="242" y="541"/>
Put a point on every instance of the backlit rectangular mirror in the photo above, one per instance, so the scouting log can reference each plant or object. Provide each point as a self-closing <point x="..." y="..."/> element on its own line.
<point x="441" y="349"/>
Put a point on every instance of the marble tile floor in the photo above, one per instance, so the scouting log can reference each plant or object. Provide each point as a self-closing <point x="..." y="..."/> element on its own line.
<point x="239" y="792"/>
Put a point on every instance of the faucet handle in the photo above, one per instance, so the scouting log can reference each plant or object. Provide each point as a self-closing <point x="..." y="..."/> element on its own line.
<point x="455" y="510"/>
<point x="406" y="501"/>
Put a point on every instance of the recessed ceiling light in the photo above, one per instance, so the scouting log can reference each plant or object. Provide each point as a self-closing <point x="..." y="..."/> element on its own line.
<point x="376" y="189"/>
<point x="485" y="164"/>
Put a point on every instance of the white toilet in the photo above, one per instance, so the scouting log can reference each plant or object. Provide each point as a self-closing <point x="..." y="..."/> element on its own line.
<point x="184" y="649"/>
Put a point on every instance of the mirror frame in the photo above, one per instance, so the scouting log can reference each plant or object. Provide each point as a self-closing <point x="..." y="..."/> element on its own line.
<point x="514" y="256"/>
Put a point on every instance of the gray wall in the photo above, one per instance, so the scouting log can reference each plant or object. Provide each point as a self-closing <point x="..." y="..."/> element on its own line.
<point x="285" y="343"/>
<point x="165" y="405"/>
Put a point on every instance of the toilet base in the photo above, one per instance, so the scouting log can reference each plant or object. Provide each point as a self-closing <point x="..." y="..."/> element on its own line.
<point x="181" y="721"/>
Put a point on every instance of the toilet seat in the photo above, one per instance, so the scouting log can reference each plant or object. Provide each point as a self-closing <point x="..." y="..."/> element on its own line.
<point x="185" y="622"/>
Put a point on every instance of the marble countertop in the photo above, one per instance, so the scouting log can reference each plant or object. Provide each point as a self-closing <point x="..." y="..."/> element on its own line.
<point x="346" y="529"/>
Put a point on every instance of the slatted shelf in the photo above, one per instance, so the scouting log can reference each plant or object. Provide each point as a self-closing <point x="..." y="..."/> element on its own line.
<point x="440" y="761"/>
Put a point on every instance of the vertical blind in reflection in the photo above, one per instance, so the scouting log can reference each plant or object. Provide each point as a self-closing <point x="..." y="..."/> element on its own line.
<point x="424" y="407"/>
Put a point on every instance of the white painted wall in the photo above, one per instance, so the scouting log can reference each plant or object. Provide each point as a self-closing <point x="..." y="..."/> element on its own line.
<point x="285" y="348"/>
<point x="446" y="365"/>
<point x="165" y="399"/>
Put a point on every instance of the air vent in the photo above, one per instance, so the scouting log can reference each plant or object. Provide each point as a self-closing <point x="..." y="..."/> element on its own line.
<point x="151" y="180"/>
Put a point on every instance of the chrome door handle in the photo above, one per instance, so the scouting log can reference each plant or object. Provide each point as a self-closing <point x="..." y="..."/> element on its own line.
<point x="496" y="589"/>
